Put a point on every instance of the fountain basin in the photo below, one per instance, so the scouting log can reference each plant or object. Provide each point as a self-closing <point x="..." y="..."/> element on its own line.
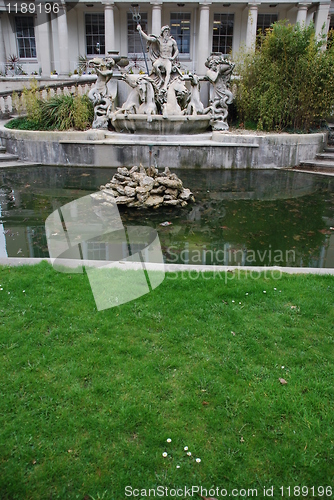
<point x="173" y="125"/>
<point x="222" y="150"/>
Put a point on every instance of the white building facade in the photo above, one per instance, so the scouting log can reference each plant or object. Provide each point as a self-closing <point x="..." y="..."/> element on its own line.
<point x="48" y="37"/>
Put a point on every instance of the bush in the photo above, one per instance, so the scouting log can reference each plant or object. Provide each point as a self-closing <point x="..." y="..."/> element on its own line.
<point x="83" y="112"/>
<point x="288" y="82"/>
<point x="54" y="113"/>
<point x="32" y="101"/>
<point x="22" y="123"/>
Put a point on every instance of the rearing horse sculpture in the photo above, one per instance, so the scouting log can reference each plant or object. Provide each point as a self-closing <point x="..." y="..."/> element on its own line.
<point x="141" y="98"/>
<point x="177" y="92"/>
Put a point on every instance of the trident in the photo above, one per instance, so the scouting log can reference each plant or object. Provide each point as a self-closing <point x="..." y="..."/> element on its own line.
<point x="136" y="17"/>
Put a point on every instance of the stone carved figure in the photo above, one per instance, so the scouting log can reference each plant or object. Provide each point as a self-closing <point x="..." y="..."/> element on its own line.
<point x="163" y="52"/>
<point x="177" y="98"/>
<point x="219" y="75"/>
<point x="164" y="91"/>
<point x="195" y="106"/>
<point x="141" y="98"/>
<point x="100" y="94"/>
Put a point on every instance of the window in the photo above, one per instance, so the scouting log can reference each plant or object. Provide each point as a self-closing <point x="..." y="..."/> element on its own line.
<point x="95" y="40"/>
<point x="180" y="30"/>
<point x="264" y="21"/>
<point x="96" y="250"/>
<point x="25" y="35"/>
<point x="222" y="33"/>
<point x="331" y="24"/>
<point x="134" y="44"/>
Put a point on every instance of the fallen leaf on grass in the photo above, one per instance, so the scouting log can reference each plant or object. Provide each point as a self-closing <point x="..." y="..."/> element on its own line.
<point x="233" y="333"/>
<point x="205" y="403"/>
<point x="283" y="381"/>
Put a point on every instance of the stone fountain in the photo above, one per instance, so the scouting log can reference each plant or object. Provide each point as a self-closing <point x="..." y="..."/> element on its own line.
<point x="162" y="102"/>
<point x="165" y="101"/>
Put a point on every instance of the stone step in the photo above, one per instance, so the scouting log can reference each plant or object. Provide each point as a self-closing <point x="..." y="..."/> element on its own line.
<point x="318" y="164"/>
<point x="7" y="157"/>
<point x="329" y="149"/>
<point x="14" y="164"/>
<point x="325" y="156"/>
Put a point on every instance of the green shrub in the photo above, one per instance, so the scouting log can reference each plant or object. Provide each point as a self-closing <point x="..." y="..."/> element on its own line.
<point x="288" y="82"/>
<point x="22" y="123"/>
<point x="61" y="112"/>
<point x="83" y="112"/>
<point x="32" y="101"/>
<point x="57" y="112"/>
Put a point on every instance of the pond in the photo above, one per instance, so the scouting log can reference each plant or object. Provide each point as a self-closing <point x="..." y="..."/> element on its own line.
<point x="240" y="217"/>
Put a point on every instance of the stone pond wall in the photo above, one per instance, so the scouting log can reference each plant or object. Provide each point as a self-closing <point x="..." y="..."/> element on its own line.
<point x="212" y="150"/>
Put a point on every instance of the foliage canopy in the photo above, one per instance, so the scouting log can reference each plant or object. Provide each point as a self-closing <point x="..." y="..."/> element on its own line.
<point x="288" y="82"/>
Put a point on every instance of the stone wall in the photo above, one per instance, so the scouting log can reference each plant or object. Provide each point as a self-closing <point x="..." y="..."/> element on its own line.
<point x="216" y="150"/>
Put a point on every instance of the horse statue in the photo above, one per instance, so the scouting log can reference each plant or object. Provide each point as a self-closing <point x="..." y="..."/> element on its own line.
<point x="177" y="93"/>
<point x="195" y="106"/>
<point x="141" y="98"/>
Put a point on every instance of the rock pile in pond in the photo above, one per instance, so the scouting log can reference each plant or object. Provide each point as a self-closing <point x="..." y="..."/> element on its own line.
<point x="147" y="188"/>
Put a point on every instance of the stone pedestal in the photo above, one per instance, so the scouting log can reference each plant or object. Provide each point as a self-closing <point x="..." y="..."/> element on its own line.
<point x="203" y="37"/>
<point x="156" y="17"/>
<point x="251" y="26"/>
<point x="109" y="23"/>
<point x="302" y="13"/>
<point x="2" y="48"/>
<point x="63" y="40"/>
<point x="43" y="42"/>
<point x="321" y="19"/>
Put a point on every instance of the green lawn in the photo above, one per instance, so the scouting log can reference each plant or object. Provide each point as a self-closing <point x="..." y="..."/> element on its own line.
<point x="88" y="399"/>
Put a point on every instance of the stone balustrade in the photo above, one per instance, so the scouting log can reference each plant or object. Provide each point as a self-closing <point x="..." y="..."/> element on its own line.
<point x="10" y="105"/>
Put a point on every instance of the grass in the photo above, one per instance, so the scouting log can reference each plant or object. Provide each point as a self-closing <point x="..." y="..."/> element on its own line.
<point x="23" y="123"/>
<point x="88" y="399"/>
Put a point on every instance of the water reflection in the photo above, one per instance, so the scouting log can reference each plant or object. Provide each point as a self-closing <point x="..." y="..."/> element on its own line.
<point x="258" y="217"/>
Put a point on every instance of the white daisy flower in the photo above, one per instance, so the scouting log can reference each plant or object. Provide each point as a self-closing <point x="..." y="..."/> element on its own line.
<point x="164" y="454"/>
<point x="264" y="291"/>
<point x="169" y="440"/>
<point x="189" y="453"/>
<point x="246" y="293"/>
<point x="185" y="448"/>
<point x="177" y="466"/>
<point x="275" y="288"/>
<point x="198" y="460"/>
<point x="233" y="301"/>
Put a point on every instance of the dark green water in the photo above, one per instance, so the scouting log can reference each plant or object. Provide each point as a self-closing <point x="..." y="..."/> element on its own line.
<point x="265" y="217"/>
